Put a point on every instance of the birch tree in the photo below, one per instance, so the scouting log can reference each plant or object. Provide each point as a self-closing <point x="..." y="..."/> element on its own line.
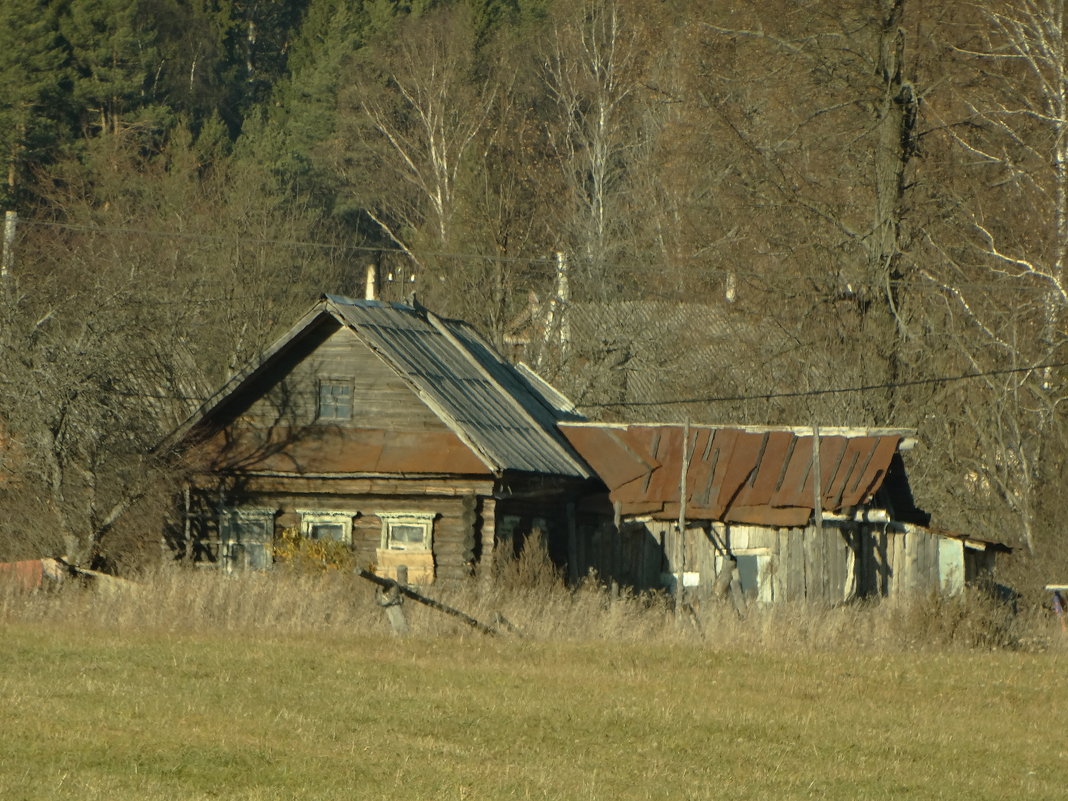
<point x="999" y="268"/>
<point x="1018" y="132"/>
<point x="412" y="118"/>
<point x="591" y="72"/>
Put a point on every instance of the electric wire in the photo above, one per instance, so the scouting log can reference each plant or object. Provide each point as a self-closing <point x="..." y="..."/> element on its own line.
<point x="835" y="390"/>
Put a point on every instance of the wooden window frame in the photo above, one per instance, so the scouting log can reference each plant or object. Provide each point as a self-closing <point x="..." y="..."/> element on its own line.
<point x="764" y="568"/>
<point x="309" y="518"/>
<point x="339" y="382"/>
<point x="425" y="520"/>
<point x="230" y="545"/>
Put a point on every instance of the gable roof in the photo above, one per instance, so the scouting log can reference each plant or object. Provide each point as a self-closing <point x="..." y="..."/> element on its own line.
<point x="752" y="475"/>
<point x="481" y="398"/>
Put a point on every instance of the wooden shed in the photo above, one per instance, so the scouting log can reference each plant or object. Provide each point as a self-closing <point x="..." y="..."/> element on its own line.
<point x="382" y="426"/>
<point x="790" y="513"/>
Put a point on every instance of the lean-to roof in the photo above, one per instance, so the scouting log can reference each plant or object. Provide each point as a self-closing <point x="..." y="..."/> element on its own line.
<point x="741" y="475"/>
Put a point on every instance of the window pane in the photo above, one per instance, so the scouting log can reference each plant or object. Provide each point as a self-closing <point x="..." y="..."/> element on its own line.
<point x="256" y="556"/>
<point x="326" y="531"/>
<point x="401" y="534"/>
<point x="749" y="573"/>
<point x="335" y="400"/>
<point x="239" y="528"/>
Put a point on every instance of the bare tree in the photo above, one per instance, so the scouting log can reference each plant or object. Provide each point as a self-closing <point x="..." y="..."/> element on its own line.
<point x="998" y="268"/>
<point x="414" y="113"/>
<point x="591" y="69"/>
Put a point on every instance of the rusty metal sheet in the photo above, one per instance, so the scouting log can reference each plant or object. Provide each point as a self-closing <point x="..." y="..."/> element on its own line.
<point x="767" y="453"/>
<point x="667" y="442"/>
<point x="28" y="574"/>
<point x="832" y="451"/>
<point x="870" y="478"/>
<point x="609" y="454"/>
<point x="795" y="480"/>
<point x="789" y="516"/>
<point x="342" y="451"/>
<point x="738" y="475"/>
<point x="723" y="443"/>
<point x="855" y="456"/>
<point x="741" y="463"/>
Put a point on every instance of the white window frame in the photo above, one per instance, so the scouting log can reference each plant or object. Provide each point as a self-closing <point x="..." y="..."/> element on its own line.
<point x="764" y="561"/>
<point x="229" y="544"/>
<point x="312" y="517"/>
<point x="425" y="520"/>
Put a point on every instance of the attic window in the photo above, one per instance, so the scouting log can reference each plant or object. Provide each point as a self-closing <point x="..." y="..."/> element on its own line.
<point x="335" y="399"/>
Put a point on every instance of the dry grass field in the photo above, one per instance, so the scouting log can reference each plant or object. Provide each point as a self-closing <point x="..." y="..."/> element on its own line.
<point x="197" y="687"/>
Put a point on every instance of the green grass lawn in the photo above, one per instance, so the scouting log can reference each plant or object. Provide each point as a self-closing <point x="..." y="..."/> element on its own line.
<point x="99" y="714"/>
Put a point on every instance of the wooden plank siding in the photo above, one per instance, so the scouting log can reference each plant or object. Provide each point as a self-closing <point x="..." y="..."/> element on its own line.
<point x="827" y="565"/>
<point x="380" y="398"/>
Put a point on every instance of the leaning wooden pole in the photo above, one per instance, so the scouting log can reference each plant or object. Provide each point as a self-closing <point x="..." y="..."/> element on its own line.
<point x="408" y="592"/>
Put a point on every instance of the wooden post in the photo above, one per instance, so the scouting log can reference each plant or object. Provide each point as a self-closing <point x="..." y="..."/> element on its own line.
<point x="187" y="525"/>
<point x="681" y="576"/>
<point x="395" y="588"/>
<point x="817" y="503"/>
<point x="572" y="546"/>
<point x="817" y="479"/>
<point x="487" y="548"/>
<point x="391" y="598"/>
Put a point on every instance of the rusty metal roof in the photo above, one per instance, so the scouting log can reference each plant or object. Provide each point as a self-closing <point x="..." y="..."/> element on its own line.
<point x="740" y="475"/>
<point x="484" y="400"/>
<point x="337" y="450"/>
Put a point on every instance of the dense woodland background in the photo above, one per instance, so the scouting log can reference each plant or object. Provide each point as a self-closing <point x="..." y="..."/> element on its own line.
<point x="758" y="202"/>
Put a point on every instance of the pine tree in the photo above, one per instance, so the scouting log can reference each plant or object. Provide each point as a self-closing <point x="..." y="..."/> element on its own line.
<point x="116" y="64"/>
<point x="32" y="80"/>
<point x="302" y="115"/>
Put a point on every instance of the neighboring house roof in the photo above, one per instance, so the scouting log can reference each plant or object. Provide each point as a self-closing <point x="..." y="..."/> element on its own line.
<point x="643" y="351"/>
<point x="30" y="574"/>
<point x="479" y="396"/>
<point x="752" y="475"/>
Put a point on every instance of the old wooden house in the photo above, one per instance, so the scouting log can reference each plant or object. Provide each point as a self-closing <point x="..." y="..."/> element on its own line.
<point x="407" y="438"/>
<point x="382" y="426"/>
<point x="788" y="514"/>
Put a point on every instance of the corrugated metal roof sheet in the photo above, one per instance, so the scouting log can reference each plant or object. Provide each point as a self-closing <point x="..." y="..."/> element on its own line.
<point x="735" y="475"/>
<point x="480" y="396"/>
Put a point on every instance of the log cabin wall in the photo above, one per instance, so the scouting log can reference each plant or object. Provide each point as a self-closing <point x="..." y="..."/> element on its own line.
<point x="457" y="512"/>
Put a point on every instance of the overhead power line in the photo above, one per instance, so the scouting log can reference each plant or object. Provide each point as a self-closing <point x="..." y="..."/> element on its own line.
<point x="834" y="391"/>
<point x="713" y="398"/>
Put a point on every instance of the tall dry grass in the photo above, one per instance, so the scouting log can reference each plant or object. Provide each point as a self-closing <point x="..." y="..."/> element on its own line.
<point x="524" y="597"/>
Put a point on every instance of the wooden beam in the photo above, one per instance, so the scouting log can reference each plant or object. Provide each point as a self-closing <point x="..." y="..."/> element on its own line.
<point x="407" y="592"/>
